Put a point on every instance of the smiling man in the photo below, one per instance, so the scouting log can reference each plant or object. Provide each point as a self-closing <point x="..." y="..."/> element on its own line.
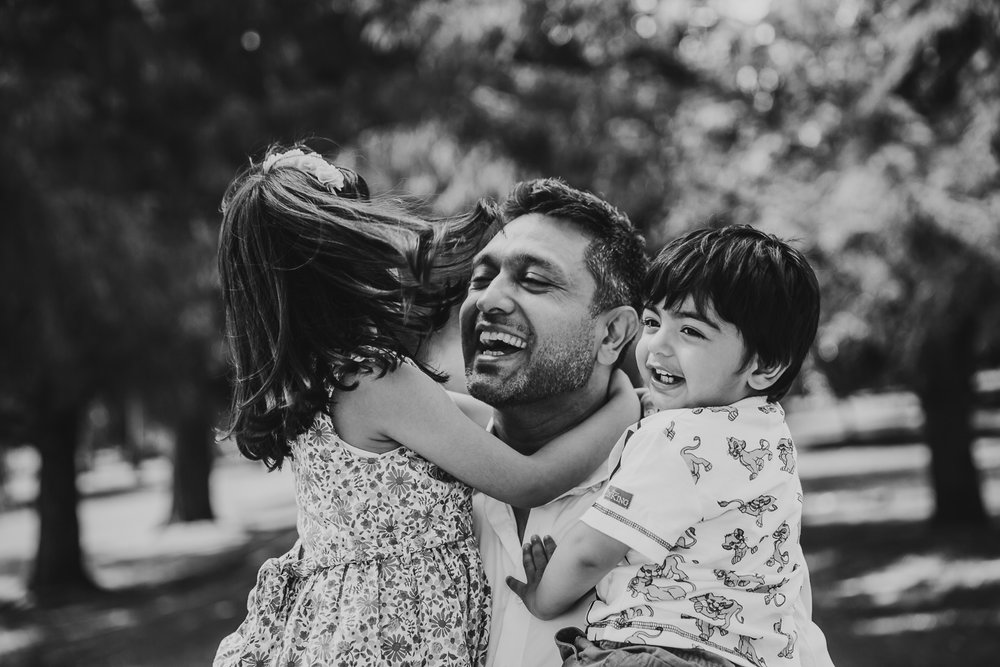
<point x="552" y="307"/>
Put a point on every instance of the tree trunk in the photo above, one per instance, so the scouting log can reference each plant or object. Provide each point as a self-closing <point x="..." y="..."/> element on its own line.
<point x="947" y="395"/>
<point x="134" y="436"/>
<point x="193" y="460"/>
<point x="59" y="561"/>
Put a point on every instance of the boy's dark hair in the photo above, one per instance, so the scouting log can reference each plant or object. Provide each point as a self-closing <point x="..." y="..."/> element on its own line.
<point x="753" y="280"/>
<point x="615" y="257"/>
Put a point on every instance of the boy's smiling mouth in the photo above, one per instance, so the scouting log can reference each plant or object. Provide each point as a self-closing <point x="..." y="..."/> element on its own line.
<point x="661" y="376"/>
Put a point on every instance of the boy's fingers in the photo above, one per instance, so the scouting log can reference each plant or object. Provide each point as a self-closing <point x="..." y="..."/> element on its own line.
<point x="549" y="544"/>
<point x="528" y="560"/>
<point x="518" y="587"/>
<point x="538" y="554"/>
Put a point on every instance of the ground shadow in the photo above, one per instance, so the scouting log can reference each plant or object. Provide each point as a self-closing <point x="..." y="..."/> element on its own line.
<point x="906" y="593"/>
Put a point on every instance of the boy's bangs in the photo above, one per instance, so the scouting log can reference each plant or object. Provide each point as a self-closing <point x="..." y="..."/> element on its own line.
<point x="675" y="278"/>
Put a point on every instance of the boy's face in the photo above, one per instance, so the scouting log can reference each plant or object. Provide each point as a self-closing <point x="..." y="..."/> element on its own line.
<point x="689" y="361"/>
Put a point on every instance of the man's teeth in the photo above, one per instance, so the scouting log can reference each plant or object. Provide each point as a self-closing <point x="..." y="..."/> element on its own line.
<point x="491" y="338"/>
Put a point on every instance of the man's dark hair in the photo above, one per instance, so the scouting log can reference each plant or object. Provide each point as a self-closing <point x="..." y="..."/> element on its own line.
<point x="753" y="280"/>
<point x="615" y="256"/>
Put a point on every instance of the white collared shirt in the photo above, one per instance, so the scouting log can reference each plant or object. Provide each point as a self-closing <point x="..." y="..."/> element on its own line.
<point x="518" y="639"/>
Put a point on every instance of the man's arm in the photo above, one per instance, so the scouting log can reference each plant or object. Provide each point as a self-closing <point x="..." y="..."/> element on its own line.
<point x="557" y="580"/>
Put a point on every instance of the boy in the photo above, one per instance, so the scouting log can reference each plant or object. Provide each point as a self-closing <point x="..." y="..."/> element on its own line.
<point x="693" y="545"/>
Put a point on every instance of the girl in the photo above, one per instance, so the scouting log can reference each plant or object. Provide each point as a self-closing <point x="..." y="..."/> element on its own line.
<point x="329" y="298"/>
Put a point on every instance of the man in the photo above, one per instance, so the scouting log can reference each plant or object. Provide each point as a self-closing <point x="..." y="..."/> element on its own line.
<point x="552" y="307"/>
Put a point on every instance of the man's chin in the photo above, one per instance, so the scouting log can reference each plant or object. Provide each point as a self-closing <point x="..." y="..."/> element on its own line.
<point x="490" y="389"/>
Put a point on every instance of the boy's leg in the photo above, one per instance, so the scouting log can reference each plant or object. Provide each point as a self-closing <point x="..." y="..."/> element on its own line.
<point x="578" y="651"/>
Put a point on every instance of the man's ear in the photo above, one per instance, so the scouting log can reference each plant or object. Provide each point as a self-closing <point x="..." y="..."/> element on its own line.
<point x="762" y="377"/>
<point x="620" y="326"/>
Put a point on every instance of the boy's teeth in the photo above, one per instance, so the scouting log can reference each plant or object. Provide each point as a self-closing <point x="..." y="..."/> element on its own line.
<point x="666" y="378"/>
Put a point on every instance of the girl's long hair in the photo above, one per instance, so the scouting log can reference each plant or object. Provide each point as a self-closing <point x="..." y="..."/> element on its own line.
<point x="320" y="284"/>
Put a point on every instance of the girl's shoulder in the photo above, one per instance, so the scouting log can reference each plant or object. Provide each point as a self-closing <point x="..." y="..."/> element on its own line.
<point x="376" y="390"/>
<point x="362" y="414"/>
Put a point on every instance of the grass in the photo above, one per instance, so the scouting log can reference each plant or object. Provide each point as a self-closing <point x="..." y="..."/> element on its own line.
<point x="888" y="589"/>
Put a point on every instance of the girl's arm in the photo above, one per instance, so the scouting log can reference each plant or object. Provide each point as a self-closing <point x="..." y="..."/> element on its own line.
<point x="407" y="407"/>
<point x="473" y="408"/>
<point x="558" y="578"/>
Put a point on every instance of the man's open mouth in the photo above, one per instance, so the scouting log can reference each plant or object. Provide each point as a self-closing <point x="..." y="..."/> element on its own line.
<point x="498" y="344"/>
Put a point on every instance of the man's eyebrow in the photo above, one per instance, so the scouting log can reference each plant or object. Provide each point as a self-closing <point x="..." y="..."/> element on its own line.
<point x="484" y="257"/>
<point x="528" y="259"/>
<point x="695" y="315"/>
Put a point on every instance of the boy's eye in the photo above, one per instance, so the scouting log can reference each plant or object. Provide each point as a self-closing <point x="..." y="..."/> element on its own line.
<point x="650" y="323"/>
<point x="689" y="331"/>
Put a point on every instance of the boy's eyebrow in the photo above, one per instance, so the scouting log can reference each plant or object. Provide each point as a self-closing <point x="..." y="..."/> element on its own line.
<point x="695" y="315"/>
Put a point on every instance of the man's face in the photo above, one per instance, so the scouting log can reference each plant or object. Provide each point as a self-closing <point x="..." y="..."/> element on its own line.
<point x="527" y="330"/>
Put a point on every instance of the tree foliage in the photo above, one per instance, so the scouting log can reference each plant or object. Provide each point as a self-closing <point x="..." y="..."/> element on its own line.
<point x="866" y="128"/>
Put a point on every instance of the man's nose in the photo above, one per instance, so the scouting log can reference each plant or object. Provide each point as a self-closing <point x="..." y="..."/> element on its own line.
<point x="496" y="296"/>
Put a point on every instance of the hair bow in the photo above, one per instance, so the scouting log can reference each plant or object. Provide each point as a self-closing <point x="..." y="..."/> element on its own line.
<point x="311" y="163"/>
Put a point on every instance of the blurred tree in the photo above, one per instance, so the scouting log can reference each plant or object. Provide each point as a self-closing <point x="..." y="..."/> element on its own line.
<point x="98" y="241"/>
<point x="867" y="128"/>
<point x="905" y="206"/>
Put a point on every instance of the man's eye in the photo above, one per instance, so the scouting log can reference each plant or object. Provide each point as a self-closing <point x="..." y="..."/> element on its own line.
<point x="534" y="281"/>
<point x="480" y="281"/>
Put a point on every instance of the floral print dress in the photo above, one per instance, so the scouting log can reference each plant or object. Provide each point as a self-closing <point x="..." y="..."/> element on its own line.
<point x="386" y="570"/>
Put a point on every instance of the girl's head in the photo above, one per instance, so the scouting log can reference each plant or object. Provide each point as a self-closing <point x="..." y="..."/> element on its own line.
<point x="319" y="283"/>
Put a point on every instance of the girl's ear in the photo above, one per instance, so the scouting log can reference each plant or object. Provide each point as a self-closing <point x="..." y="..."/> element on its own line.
<point x="621" y="324"/>
<point x="762" y="377"/>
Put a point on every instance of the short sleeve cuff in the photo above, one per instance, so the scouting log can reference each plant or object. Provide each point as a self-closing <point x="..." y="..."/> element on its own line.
<point x="603" y="517"/>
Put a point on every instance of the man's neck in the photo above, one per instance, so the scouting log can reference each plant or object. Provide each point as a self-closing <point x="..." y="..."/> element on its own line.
<point x="529" y="427"/>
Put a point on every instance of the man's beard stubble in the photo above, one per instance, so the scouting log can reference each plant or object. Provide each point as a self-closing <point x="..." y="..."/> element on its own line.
<point x="555" y="369"/>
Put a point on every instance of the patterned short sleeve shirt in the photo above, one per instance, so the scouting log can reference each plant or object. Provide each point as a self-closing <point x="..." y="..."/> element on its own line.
<point x="709" y="502"/>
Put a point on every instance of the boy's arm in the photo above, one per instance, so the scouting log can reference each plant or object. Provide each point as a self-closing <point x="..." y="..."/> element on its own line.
<point x="583" y="558"/>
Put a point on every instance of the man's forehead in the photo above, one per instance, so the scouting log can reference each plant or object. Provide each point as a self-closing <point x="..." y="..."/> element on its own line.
<point x="537" y="237"/>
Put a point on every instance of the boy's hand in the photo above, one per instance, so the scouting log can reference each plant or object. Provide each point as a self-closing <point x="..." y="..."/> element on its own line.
<point x="535" y="555"/>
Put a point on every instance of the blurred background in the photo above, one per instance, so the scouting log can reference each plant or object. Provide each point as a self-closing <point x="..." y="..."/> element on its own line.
<point x="868" y="130"/>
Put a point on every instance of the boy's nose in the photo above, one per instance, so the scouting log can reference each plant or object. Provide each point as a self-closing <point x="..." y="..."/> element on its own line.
<point x="662" y="343"/>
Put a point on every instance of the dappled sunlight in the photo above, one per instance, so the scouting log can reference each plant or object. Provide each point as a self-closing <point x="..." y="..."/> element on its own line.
<point x="15" y="639"/>
<point x="925" y="622"/>
<point x="882" y="483"/>
<point x="853" y="506"/>
<point x="920" y="579"/>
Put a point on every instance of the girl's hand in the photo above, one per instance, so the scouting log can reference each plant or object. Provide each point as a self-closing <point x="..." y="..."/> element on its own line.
<point x="535" y="556"/>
